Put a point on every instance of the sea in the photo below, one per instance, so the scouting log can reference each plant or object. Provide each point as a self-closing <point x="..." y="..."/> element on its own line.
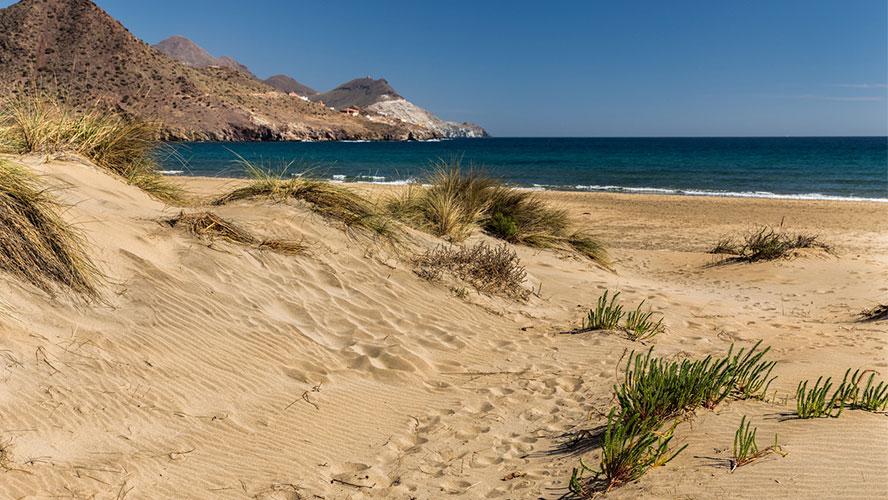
<point x="814" y="168"/>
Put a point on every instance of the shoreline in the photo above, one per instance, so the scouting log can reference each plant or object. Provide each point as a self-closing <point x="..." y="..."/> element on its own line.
<point x="758" y="195"/>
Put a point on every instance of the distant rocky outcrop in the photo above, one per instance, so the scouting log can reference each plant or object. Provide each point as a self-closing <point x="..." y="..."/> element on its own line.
<point x="363" y="92"/>
<point x="411" y="113"/>
<point x="378" y="96"/>
<point x="286" y="84"/>
<point x="191" y="54"/>
<point x="74" y="50"/>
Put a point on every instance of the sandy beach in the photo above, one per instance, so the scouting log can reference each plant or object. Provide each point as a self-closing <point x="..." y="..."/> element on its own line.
<point x="212" y="370"/>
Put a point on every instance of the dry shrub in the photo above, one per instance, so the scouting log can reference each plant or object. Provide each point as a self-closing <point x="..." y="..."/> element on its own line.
<point x="452" y="201"/>
<point x="327" y="199"/>
<point x="36" y="245"/>
<point x="120" y="144"/>
<point x="5" y="454"/>
<point x="877" y="313"/>
<point x="209" y="226"/>
<point x="766" y="243"/>
<point x="493" y="270"/>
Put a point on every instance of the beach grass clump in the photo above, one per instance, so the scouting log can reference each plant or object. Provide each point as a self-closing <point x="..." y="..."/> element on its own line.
<point x="488" y="269"/>
<point x="640" y="326"/>
<point x="816" y="402"/>
<point x="36" y="245"/>
<point x="325" y="198"/>
<point x="452" y="201"/>
<point x="631" y="446"/>
<point x="658" y="389"/>
<point x="209" y="226"/>
<point x="750" y="374"/>
<point x="746" y="449"/>
<point x="871" y="397"/>
<point x="121" y="144"/>
<point x="655" y="391"/>
<point x="606" y="315"/>
<point x="766" y="243"/>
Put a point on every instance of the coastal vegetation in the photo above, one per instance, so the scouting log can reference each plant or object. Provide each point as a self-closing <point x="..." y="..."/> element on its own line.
<point x="493" y="270"/>
<point x="327" y="199"/>
<point x="608" y="314"/>
<point x="814" y="402"/>
<point x="631" y="446"/>
<point x="36" y="245"/>
<point x="746" y="450"/>
<point x="817" y="402"/>
<point x="877" y="313"/>
<point x="452" y="201"/>
<point x="209" y="226"/>
<point x="766" y="243"/>
<point x="123" y="146"/>
<point x="656" y="391"/>
<point x="872" y="397"/>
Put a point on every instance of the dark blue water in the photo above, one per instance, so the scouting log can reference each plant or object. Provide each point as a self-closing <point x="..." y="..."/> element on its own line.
<point x="814" y="168"/>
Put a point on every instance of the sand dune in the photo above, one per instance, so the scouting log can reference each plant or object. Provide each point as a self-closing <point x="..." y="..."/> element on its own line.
<point x="211" y="370"/>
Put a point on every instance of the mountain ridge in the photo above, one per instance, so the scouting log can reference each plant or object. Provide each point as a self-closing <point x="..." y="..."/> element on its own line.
<point x="191" y="54"/>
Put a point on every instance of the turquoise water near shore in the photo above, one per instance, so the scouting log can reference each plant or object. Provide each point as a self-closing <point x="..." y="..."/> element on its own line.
<point x="845" y="168"/>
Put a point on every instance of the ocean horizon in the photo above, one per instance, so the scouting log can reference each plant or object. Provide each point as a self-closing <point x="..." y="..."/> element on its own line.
<point x="825" y="168"/>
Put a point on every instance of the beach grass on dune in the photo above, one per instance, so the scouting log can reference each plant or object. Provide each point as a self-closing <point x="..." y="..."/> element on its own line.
<point x="746" y="449"/>
<point x="36" y="245"/>
<point x="325" y="198"/>
<point x="209" y="226"/>
<point x="656" y="391"/>
<point x="607" y="315"/>
<point x="495" y="270"/>
<point x="120" y="144"/>
<point x="630" y="447"/>
<point x="766" y="243"/>
<point x="817" y="402"/>
<point x="453" y="200"/>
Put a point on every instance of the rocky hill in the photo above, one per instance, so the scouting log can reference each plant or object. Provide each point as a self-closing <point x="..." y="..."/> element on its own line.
<point x="191" y="54"/>
<point x="379" y="97"/>
<point x="363" y="92"/>
<point x="286" y="84"/>
<point x="76" y="51"/>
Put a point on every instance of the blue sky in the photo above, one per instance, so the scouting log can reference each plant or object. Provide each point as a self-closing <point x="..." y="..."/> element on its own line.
<point x="589" y="68"/>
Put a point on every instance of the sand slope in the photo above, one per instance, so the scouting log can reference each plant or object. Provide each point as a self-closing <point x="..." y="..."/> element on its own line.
<point x="219" y="371"/>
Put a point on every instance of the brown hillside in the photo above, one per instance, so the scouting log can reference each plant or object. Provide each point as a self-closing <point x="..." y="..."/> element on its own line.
<point x="74" y="49"/>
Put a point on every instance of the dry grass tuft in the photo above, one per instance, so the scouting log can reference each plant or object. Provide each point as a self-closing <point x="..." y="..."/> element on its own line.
<point x="452" y="201"/>
<point x="36" y="245"/>
<point x="877" y="313"/>
<point x="327" y="199"/>
<point x="209" y="226"/>
<point x="491" y="270"/>
<point x="766" y="243"/>
<point x="112" y="141"/>
<point x="5" y="454"/>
